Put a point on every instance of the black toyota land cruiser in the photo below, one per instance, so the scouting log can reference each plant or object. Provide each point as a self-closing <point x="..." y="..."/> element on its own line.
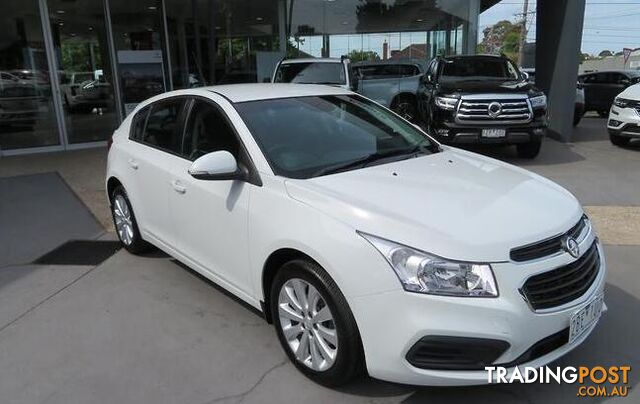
<point x="482" y="99"/>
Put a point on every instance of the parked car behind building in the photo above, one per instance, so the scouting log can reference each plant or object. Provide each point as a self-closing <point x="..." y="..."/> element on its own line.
<point x="578" y="112"/>
<point x="624" y="119"/>
<point x="600" y="88"/>
<point x="392" y="83"/>
<point x="482" y="99"/>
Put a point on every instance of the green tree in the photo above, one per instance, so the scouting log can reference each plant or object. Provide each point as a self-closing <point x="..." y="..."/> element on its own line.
<point x="501" y="38"/>
<point x="361" y="55"/>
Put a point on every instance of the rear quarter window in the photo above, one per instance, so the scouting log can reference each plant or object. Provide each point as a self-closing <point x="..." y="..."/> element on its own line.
<point x="138" y="123"/>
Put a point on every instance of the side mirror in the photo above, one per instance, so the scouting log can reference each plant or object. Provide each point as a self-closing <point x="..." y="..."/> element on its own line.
<point x="219" y="165"/>
<point x="625" y="82"/>
<point x="525" y="75"/>
<point x="426" y="79"/>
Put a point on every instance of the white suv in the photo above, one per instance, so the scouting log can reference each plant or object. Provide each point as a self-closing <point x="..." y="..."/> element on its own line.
<point x="370" y="246"/>
<point x="624" y="117"/>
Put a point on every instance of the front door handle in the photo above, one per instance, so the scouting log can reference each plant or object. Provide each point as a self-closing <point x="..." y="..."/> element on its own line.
<point x="133" y="164"/>
<point x="178" y="187"/>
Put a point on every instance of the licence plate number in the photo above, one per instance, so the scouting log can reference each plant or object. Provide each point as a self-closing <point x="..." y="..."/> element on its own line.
<point x="584" y="318"/>
<point x="493" y="133"/>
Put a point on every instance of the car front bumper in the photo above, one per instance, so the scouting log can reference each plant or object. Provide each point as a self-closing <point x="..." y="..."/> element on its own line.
<point x="624" y="122"/>
<point x="392" y="323"/>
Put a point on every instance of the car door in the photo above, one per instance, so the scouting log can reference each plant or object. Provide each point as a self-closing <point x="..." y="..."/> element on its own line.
<point x="210" y="216"/>
<point x="154" y="153"/>
<point x="594" y="87"/>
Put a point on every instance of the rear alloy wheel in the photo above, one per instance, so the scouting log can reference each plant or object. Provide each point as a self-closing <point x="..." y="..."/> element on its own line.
<point x="619" y="140"/>
<point x="315" y="325"/>
<point x="125" y="223"/>
<point x="405" y="106"/>
<point x="529" y="150"/>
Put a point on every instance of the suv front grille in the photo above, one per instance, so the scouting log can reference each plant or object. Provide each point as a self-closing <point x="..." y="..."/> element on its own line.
<point x="565" y="284"/>
<point x="509" y="111"/>
<point x="547" y="247"/>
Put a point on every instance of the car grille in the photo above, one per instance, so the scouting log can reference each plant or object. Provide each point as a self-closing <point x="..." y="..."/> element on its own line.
<point x="512" y="110"/>
<point x="565" y="284"/>
<point x="631" y="128"/>
<point x="546" y="247"/>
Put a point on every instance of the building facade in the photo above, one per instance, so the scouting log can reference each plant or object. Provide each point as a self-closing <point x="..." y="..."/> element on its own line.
<point x="71" y="70"/>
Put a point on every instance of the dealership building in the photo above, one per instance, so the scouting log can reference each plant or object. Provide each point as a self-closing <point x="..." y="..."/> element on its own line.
<point x="71" y="70"/>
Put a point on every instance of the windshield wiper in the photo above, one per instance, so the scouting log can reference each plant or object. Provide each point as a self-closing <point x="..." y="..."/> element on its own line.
<point x="370" y="158"/>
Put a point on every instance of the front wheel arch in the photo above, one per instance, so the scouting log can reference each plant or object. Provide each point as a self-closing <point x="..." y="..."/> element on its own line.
<point x="271" y="266"/>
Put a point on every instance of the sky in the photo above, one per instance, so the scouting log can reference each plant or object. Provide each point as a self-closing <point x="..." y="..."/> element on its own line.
<point x="610" y="25"/>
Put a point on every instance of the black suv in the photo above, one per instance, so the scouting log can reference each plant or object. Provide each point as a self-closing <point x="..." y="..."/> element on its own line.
<point x="481" y="99"/>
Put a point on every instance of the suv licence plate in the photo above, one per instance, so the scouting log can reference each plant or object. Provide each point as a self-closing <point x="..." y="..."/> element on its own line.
<point x="583" y="319"/>
<point x="493" y="133"/>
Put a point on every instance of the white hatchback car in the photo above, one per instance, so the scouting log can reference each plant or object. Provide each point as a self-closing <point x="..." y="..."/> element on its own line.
<point x="371" y="247"/>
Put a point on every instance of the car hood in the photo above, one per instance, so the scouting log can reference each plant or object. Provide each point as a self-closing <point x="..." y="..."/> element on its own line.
<point x="488" y="86"/>
<point x="454" y="204"/>
<point x="631" y="92"/>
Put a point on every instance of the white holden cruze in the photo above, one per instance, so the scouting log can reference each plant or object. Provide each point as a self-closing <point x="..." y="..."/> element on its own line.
<point x="371" y="247"/>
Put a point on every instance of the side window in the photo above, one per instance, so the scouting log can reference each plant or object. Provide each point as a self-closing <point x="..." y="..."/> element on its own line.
<point x="162" y="129"/>
<point x="408" y="70"/>
<point x="137" y="124"/>
<point x="208" y="131"/>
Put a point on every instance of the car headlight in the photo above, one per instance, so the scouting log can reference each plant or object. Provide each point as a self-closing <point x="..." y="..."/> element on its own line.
<point x="426" y="273"/>
<point x="539" y="101"/>
<point x="620" y="102"/>
<point x="446" y="102"/>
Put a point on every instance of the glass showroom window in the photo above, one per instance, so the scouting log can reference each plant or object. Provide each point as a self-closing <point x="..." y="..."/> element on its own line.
<point x="373" y="30"/>
<point x="27" y="117"/>
<point x="222" y="41"/>
<point x="84" y="69"/>
<point x="139" y="41"/>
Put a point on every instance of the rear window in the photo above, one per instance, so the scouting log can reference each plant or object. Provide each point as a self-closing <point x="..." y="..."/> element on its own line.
<point x="311" y="73"/>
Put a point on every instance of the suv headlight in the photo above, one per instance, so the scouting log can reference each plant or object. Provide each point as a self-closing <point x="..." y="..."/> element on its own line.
<point x="539" y="101"/>
<point x="446" y="102"/>
<point x="620" y="102"/>
<point x="426" y="273"/>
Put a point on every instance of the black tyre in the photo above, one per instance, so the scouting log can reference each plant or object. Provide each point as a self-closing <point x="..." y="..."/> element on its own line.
<point x="603" y="113"/>
<point x="315" y="325"/>
<point x="125" y="223"/>
<point x="405" y="106"/>
<point x="529" y="150"/>
<point x="619" y="140"/>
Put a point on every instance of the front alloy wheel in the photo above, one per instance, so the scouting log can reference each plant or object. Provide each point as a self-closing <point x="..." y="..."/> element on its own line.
<point x="307" y="324"/>
<point x="314" y="324"/>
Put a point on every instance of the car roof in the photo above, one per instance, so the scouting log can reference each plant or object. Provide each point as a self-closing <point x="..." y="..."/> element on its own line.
<point x="268" y="91"/>
<point x="312" y="60"/>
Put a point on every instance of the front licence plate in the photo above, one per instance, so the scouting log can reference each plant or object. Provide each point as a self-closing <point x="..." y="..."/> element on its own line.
<point x="585" y="317"/>
<point x="493" y="133"/>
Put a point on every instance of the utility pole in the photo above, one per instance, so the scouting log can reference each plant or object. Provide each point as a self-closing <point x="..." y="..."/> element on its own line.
<point x="523" y="31"/>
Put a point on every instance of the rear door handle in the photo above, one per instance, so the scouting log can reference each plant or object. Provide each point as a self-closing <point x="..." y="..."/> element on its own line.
<point x="178" y="187"/>
<point x="133" y="164"/>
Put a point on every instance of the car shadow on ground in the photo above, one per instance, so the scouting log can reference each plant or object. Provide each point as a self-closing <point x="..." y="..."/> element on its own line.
<point x="613" y="343"/>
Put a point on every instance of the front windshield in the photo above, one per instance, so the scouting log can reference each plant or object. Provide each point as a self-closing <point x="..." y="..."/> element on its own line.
<point x="311" y="73"/>
<point x="478" y="69"/>
<point x="304" y="137"/>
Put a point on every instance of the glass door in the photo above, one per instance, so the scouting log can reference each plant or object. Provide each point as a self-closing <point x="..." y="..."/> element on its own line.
<point x="27" y="117"/>
<point x="83" y="69"/>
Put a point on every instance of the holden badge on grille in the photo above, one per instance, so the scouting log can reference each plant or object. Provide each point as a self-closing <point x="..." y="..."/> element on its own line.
<point x="570" y="245"/>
